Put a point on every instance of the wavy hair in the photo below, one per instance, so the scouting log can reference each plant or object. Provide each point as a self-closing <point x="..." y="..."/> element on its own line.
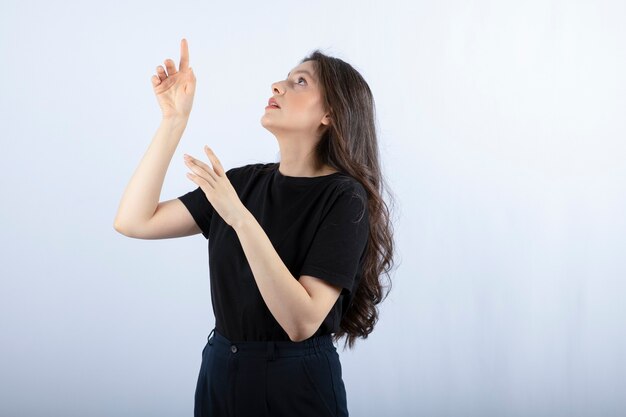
<point x="350" y="145"/>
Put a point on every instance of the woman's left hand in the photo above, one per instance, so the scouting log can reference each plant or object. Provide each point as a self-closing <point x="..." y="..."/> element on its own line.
<point x="216" y="186"/>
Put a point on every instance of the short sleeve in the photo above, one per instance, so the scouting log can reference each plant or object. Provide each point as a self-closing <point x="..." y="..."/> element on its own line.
<point x="200" y="208"/>
<point x="340" y="240"/>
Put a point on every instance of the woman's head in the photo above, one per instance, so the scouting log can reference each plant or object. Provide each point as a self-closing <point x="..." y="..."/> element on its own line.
<point x="335" y="106"/>
<point x="302" y="113"/>
<point x="323" y="98"/>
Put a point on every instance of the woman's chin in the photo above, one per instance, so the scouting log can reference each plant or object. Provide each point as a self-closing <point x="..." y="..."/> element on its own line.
<point x="267" y="123"/>
<point x="267" y="126"/>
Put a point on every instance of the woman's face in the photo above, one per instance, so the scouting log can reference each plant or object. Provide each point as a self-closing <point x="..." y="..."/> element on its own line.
<point x="300" y="100"/>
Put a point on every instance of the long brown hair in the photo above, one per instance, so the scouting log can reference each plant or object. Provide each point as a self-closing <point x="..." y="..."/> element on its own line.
<point x="349" y="144"/>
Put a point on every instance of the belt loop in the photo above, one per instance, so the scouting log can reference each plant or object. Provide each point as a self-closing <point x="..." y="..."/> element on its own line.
<point x="209" y="337"/>
<point x="271" y="350"/>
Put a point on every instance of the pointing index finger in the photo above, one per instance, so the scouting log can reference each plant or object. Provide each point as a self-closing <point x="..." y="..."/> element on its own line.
<point x="184" y="55"/>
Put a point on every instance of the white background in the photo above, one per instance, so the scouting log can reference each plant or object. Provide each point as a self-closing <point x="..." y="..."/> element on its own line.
<point x="502" y="133"/>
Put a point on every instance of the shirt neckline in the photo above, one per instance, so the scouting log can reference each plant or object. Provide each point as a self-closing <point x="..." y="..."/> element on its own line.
<point x="301" y="180"/>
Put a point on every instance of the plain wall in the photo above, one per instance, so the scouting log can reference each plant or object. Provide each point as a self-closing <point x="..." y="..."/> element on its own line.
<point x="501" y="131"/>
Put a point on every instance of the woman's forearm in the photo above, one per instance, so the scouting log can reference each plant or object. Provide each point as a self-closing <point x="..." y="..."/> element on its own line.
<point x="285" y="297"/>
<point x="141" y="196"/>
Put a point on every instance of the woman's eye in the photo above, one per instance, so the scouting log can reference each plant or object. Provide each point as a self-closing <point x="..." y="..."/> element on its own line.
<point x="300" y="79"/>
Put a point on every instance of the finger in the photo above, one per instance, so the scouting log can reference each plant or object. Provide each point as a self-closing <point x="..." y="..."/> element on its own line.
<point x="201" y="182"/>
<point x="155" y="80"/>
<point x="200" y="174"/>
<point x="161" y="73"/>
<point x="171" y="67"/>
<point x="184" y="55"/>
<point x="201" y="169"/>
<point x="200" y="177"/>
<point x="216" y="162"/>
<point x="192" y="177"/>
<point x="210" y="169"/>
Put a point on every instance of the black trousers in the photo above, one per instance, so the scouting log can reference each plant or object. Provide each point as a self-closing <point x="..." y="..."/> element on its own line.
<point x="270" y="379"/>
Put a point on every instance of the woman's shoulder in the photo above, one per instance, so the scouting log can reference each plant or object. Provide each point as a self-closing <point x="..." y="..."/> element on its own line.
<point x="348" y="183"/>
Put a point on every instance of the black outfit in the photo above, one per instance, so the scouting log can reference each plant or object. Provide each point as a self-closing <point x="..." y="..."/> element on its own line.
<point x="270" y="379"/>
<point x="319" y="226"/>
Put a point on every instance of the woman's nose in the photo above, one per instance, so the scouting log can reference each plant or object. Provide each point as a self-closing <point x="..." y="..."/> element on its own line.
<point x="276" y="87"/>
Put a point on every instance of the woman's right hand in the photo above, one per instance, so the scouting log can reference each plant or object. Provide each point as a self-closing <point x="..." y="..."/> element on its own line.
<point x="175" y="89"/>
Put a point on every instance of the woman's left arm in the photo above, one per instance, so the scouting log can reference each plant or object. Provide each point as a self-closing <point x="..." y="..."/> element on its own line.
<point x="298" y="309"/>
<point x="288" y="300"/>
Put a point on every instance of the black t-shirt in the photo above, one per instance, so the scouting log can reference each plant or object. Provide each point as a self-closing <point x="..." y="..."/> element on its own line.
<point x="319" y="226"/>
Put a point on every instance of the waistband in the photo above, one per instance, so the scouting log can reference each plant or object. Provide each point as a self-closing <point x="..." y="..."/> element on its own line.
<point x="271" y="349"/>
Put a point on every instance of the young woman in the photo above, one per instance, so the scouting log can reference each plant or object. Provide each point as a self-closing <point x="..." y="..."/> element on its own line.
<point x="296" y="247"/>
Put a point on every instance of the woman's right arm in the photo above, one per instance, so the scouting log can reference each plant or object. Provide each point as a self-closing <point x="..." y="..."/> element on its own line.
<point x="140" y="214"/>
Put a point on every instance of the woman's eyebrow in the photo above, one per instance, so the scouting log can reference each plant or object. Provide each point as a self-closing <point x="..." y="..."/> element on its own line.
<point x="304" y="71"/>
